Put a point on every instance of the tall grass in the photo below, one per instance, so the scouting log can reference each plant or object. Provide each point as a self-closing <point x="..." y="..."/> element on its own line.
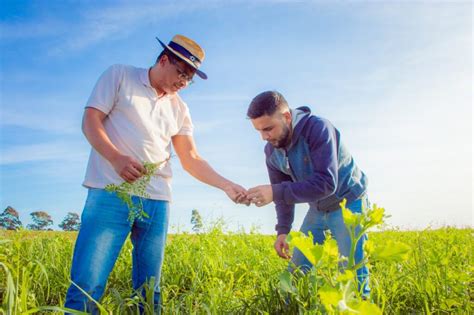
<point x="217" y="272"/>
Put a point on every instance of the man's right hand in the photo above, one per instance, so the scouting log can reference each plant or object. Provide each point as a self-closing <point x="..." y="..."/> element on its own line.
<point x="128" y="168"/>
<point x="281" y="247"/>
<point x="93" y="127"/>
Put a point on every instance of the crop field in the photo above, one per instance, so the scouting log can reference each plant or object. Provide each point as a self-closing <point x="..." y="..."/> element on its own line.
<point x="215" y="272"/>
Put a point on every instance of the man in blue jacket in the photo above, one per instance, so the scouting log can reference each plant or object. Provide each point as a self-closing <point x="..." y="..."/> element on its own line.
<point x="307" y="163"/>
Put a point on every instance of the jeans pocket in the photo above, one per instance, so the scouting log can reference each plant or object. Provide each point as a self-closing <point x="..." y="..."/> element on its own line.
<point x="103" y="206"/>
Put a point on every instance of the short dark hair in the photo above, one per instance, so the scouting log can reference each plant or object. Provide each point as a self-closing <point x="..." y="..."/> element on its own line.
<point x="266" y="103"/>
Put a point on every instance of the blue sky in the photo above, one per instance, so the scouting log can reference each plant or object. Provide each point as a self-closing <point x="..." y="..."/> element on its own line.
<point x="394" y="77"/>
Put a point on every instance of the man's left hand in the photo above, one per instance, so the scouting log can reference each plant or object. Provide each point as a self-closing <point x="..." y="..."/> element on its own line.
<point x="261" y="195"/>
<point x="237" y="193"/>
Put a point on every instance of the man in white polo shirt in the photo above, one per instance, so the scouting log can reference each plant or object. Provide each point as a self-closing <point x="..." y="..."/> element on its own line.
<point x="133" y="116"/>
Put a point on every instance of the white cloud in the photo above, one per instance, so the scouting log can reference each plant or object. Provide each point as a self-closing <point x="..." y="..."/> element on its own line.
<point x="94" y="24"/>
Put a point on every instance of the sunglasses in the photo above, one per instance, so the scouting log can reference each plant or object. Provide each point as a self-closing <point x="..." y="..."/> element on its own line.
<point x="182" y="75"/>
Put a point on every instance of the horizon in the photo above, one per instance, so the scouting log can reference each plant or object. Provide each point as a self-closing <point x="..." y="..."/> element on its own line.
<point x="394" y="78"/>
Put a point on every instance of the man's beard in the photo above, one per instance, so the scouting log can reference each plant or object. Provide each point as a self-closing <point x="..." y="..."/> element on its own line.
<point x="285" y="138"/>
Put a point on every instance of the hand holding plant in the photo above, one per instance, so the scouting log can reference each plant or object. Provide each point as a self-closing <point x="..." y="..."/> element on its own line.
<point x="127" y="190"/>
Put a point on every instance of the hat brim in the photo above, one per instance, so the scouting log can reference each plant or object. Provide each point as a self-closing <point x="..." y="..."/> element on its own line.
<point x="201" y="74"/>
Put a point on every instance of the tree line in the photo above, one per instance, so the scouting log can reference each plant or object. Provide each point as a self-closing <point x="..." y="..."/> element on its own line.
<point x="42" y="221"/>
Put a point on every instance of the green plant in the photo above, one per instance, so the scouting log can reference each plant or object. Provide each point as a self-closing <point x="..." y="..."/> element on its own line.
<point x="334" y="277"/>
<point x="126" y="191"/>
<point x="218" y="272"/>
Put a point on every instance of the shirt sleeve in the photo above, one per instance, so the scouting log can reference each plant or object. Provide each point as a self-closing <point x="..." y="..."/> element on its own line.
<point x="187" y="127"/>
<point x="105" y="91"/>
<point x="285" y="212"/>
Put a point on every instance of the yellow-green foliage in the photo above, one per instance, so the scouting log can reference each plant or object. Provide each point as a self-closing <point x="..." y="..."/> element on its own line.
<point x="217" y="273"/>
<point x="136" y="190"/>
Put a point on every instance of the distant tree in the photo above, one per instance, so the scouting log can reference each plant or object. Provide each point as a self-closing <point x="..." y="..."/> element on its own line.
<point x="9" y="219"/>
<point x="71" y="222"/>
<point x="42" y="221"/>
<point x="196" y="221"/>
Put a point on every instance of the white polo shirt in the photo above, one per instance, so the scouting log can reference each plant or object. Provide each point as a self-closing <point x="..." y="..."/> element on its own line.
<point x="139" y="124"/>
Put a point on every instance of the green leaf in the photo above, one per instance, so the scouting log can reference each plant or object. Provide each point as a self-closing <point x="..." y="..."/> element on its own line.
<point x="331" y="249"/>
<point x="304" y="244"/>
<point x="346" y="276"/>
<point x="391" y="251"/>
<point x="369" y="246"/>
<point x="317" y="253"/>
<point x="366" y="308"/>
<point x="329" y="296"/>
<point x="350" y="219"/>
<point x="449" y="303"/>
<point x="376" y="215"/>
<point x="285" y="282"/>
<point x="373" y="217"/>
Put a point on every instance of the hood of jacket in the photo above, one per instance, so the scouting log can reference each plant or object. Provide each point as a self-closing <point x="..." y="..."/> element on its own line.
<point x="299" y="117"/>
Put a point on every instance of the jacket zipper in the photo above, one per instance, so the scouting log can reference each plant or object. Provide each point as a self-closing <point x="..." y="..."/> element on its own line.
<point x="288" y="166"/>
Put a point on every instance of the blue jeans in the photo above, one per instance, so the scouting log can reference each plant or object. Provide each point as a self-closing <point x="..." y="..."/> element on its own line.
<point x="317" y="222"/>
<point x="104" y="229"/>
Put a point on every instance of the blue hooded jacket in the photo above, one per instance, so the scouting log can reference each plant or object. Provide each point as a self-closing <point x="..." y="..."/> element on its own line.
<point x="315" y="168"/>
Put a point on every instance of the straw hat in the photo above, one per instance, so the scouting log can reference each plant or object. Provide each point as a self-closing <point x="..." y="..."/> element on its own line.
<point x="187" y="50"/>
